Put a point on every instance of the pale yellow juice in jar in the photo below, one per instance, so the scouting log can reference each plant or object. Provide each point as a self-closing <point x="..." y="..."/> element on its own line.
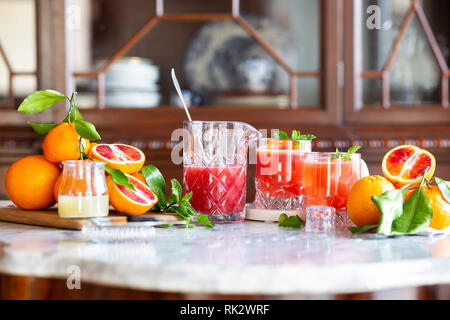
<point x="83" y="206"/>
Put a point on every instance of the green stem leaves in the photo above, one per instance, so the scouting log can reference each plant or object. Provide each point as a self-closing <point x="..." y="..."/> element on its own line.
<point x="40" y="100"/>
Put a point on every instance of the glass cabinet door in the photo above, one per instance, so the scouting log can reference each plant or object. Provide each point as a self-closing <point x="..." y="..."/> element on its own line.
<point x="225" y="52"/>
<point x="18" y="48"/>
<point x="400" y="55"/>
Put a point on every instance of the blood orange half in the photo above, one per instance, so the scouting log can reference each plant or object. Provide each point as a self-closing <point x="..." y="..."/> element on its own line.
<point x="405" y="163"/>
<point x="127" y="159"/>
<point x="134" y="202"/>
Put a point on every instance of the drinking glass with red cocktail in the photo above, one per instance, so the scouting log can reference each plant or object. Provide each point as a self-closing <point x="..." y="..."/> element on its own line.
<point x="279" y="173"/>
<point x="328" y="179"/>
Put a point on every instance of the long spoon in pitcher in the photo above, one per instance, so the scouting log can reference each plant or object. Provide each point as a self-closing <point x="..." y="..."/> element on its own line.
<point x="180" y="94"/>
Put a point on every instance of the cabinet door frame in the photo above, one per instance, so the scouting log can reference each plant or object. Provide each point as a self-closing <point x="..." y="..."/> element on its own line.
<point x="353" y="109"/>
<point x="329" y="108"/>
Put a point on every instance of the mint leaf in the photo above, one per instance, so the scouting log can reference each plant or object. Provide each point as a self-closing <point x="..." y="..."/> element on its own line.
<point x="86" y="130"/>
<point x="306" y="137"/>
<point x="187" y="197"/>
<point x="390" y="205"/>
<point x="290" y="222"/>
<point x="444" y="186"/>
<point x="203" y="219"/>
<point x="182" y="211"/>
<point x="119" y="177"/>
<point x="163" y="226"/>
<point x="362" y="229"/>
<point x="353" y="149"/>
<point x="157" y="184"/>
<point x="295" y="135"/>
<point x="176" y="192"/>
<point x="42" y="128"/>
<point x="40" y="100"/>
<point x="280" y="135"/>
<point x="345" y="156"/>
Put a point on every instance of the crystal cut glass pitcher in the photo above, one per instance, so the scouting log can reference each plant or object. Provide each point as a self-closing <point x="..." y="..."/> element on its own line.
<point x="215" y="167"/>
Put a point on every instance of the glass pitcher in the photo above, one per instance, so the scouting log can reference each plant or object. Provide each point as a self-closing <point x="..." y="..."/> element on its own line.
<point x="83" y="192"/>
<point x="215" y="167"/>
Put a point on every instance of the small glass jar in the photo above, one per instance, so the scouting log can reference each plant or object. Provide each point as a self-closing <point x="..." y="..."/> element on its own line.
<point x="83" y="192"/>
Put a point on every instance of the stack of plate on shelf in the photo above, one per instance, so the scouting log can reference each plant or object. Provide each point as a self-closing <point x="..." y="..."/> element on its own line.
<point x="132" y="82"/>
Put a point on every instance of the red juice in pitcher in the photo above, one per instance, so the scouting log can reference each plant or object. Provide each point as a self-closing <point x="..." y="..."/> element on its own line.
<point x="216" y="190"/>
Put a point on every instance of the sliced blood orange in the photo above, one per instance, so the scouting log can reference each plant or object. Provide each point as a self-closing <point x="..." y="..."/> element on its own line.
<point x="405" y="163"/>
<point x="134" y="202"/>
<point x="123" y="157"/>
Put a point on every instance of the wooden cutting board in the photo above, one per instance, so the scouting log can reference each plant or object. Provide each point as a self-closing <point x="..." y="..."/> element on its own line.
<point x="49" y="217"/>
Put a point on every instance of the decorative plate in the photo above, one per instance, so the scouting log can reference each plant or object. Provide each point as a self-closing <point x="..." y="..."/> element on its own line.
<point x="215" y="56"/>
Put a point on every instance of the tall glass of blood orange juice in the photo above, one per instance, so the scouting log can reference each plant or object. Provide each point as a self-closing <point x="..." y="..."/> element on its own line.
<point x="328" y="179"/>
<point x="279" y="173"/>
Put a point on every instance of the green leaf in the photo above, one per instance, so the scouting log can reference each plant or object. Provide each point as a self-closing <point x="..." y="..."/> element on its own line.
<point x="290" y="222"/>
<point x="280" y="135"/>
<point x="306" y="137"/>
<point x="42" y="128"/>
<point x="390" y="205"/>
<point x="362" y="229"/>
<point x="345" y="156"/>
<point x="353" y="149"/>
<point x="119" y="177"/>
<point x="203" y="219"/>
<point x="187" y="197"/>
<point x="444" y="186"/>
<point x="176" y="192"/>
<point x="295" y="135"/>
<point x="73" y="115"/>
<point x="417" y="213"/>
<point x="182" y="211"/>
<point x="40" y="100"/>
<point x="155" y="181"/>
<point x="163" y="226"/>
<point x="86" y="130"/>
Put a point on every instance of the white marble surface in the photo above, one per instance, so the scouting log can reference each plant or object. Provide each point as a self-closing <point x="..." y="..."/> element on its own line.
<point x="246" y="258"/>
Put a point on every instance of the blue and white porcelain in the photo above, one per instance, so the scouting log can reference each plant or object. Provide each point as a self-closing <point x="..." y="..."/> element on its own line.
<point x="214" y="58"/>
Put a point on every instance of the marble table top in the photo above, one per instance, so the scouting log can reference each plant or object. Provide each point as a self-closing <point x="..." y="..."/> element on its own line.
<point x="246" y="258"/>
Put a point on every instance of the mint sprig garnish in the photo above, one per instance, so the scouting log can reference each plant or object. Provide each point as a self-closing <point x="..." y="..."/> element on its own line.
<point x="295" y="135"/>
<point x="345" y="156"/>
<point x="176" y="202"/>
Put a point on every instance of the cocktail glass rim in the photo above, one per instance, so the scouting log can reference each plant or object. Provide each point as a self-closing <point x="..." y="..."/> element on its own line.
<point x="289" y="142"/>
<point x="318" y="154"/>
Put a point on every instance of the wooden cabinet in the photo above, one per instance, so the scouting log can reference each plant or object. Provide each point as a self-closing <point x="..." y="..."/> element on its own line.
<point x="356" y="103"/>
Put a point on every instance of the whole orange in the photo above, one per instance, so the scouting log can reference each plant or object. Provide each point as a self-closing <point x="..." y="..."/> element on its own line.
<point x="62" y="143"/>
<point x="360" y="207"/>
<point x="440" y="206"/>
<point x="57" y="185"/>
<point x="30" y="181"/>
